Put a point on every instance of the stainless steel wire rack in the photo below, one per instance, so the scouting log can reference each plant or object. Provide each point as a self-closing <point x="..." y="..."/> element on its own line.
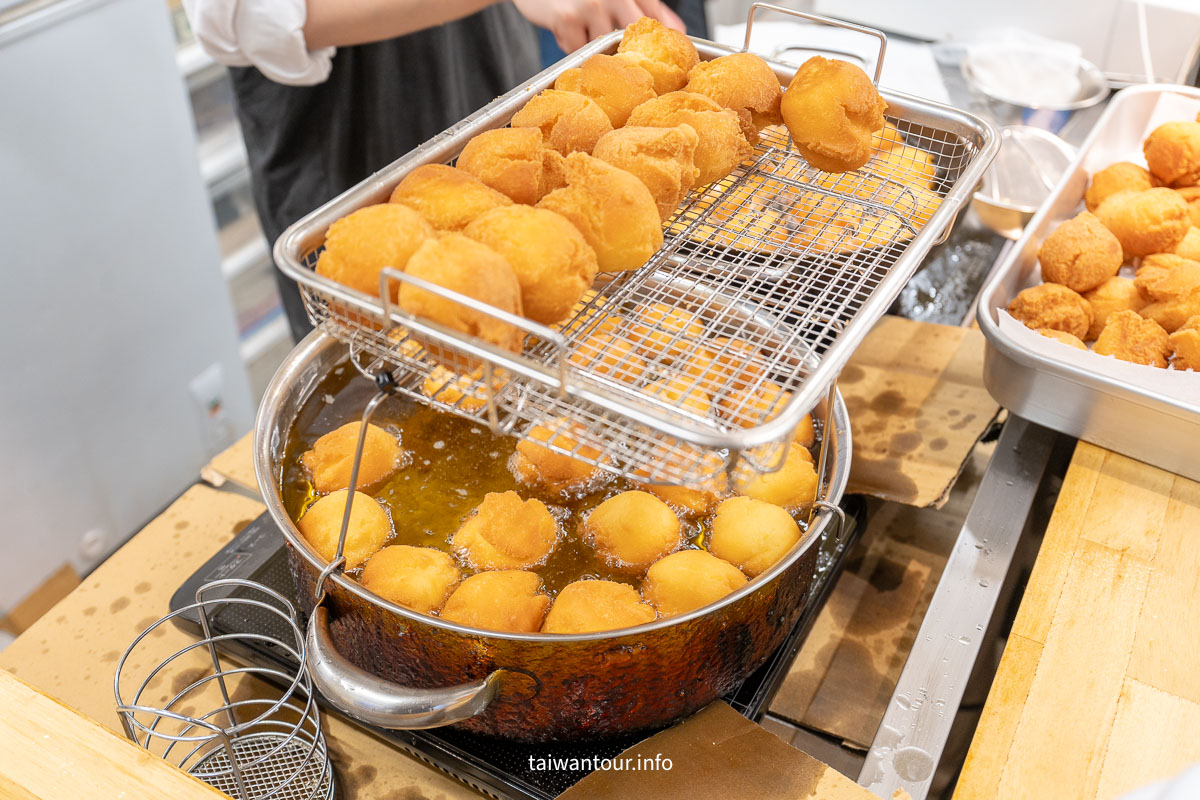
<point x="710" y="354"/>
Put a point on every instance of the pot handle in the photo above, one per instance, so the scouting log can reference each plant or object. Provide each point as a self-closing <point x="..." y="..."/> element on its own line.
<point x="366" y="697"/>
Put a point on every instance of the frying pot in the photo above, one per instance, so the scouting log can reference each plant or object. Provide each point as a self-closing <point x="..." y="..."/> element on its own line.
<point x="395" y="668"/>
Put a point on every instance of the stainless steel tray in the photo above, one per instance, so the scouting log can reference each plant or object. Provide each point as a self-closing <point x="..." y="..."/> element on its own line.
<point x="1107" y="411"/>
<point x="820" y="303"/>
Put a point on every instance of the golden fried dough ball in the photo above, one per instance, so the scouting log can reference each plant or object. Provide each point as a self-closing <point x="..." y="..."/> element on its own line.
<point x="416" y="577"/>
<point x="1115" y="294"/>
<point x="331" y="458"/>
<point x="506" y="532"/>
<point x="369" y="527"/>
<point x="553" y="263"/>
<point x="554" y="171"/>
<point x="632" y="530"/>
<point x="768" y="400"/>
<point x="1172" y="285"/>
<point x="613" y="210"/>
<point x="508" y="600"/>
<point x="463" y="265"/>
<point x="806" y="432"/>
<point x="610" y="355"/>
<point x="722" y="145"/>
<point x="536" y="464"/>
<point x="569" y="121"/>
<point x="661" y="158"/>
<point x="1080" y="254"/>
<point x="1129" y="337"/>
<point x="910" y="166"/>
<point x="1052" y="305"/>
<point x="671" y="54"/>
<point x="692" y="500"/>
<point x="887" y="138"/>
<point x="512" y="161"/>
<point x="1124" y="176"/>
<point x="752" y="534"/>
<point x="447" y="197"/>
<point x="1191" y="196"/>
<point x="743" y="83"/>
<point x="587" y="606"/>
<point x="688" y="580"/>
<point x="832" y="110"/>
<point x="1064" y="337"/>
<point x="467" y="392"/>
<point x="1146" y="222"/>
<point x="616" y="85"/>
<point x="793" y="486"/>
<point x="682" y="394"/>
<point x="662" y="330"/>
<point x="359" y="245"/>
<point x="1189" y="245"/>
<point x="1185" y="345"/>
<point x="739" y="362"/>
<point x="1172" y="152"/>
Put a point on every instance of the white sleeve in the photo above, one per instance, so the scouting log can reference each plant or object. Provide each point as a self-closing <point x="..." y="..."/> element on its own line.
<point x="267" y="34"/>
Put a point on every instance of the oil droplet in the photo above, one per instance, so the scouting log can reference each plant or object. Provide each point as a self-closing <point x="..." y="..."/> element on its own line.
<point x="964" y="640"/>
<point x="983" y="582"/>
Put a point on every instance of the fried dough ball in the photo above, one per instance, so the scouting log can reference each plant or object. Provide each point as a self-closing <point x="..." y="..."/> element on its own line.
<point x="692" y="500"/>
<point x="832" y="110"/>
<point x="463" y="265"/>
<point x="415" y="577"/>
<point x="1080" y="254"/>
<point x="1172" y="284"/>
<point x="569" y="121"/>
<point x="1153" y="221"/>
<point x="662" y="330"/>
<point x="1064" y="337"/>
<point x="752" y="410"/>
<point x="752" y="534"/>
<point x="610" y="355"/>
<point x="681" y="394"/>
<point x="737" y="363"/>
<point x="1189" y="245"/>
<point x="554" y="171"/>
<point x="447" y="197"/>
<point x="369" y="527"/>
<point x="1129" y="337"/>
<point x="887" y="138"/>
<point x="553" y="263"/>
<point x="743" y="83"/>
<point x="671" y="54"/>
<point x="1172" y="152"/>
<point x="463" y="391"/>
<point x="632" y="530"/>
<point x="910" y="166"/>
<point x="506" y="532"/>
<point x="359" y="245"/>
<point x="688" y="580"/>
<point x="1185" y="345"/>
<point x="1052" y="305"/>
<point x="1191" y="196"/>
<point x="613" y="210"/>
<point x="721" y="146"/>
<point x="616" y="85"/>
<point x="1115" y="294"/>
<point x="589" y="605"/>
<point x="536" y="464"/>
<point x="508" y="600"/>
<point x="793" y="486"/>
<point x="661" y="158"/>
<point x="513" y="161"/>
<point x="1124" y="176"/>
<point x="331" y="458"/>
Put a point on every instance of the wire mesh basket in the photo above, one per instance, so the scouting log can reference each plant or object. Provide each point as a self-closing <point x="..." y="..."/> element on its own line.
<point x="252" y="732"/>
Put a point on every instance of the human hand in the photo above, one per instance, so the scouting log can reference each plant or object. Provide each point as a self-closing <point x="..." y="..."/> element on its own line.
<point x="574" y="23"/>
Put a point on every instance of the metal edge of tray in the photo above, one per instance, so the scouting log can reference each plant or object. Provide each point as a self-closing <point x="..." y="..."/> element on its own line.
<point x="1097" y="408"/>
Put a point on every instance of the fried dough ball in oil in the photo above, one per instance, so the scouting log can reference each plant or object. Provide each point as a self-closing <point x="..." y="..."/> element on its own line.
<point x="1172" y="152"/>
<point x="751" y="534"/>
<point x="793" y="486"/>
<point x="569" y="121"/>
<point x="1124" y="176"/>
<point x="721" y="146"/>
<point x="553" y="263"/>
<point x="535" y="464"/>
<point x="616" y="85"/>
<point x="447" y="197"/>
<point x="661" y="158"/>
<point x="613" y="210"/>
<point x="632" y="530"/>
<point x="1064" y="337"/>
<point x="506" y="532"/>
<point x="1115" y="294"/>
<point x="590" y="605"/>
<point x="671" y="54"/>
<point x="359" y="245"/>
<point x="1153" y="221"/>
<point x="662" y="330"/>
<point x="513" y="161"/>
<point x="1080" y="254"/>
<point x="693" y="500"/>
<point x="610" y="355"/>
<point x="507" y="600"/>
<point x="369" y="527"/>
<point x="1052" y="305"/>
<point x="462" y="391"/>
<point x="463" y="265"/>
<point x="1172" y="285"/>
<point x="1185" y="345"/>
<point x="832" y="110"/>
<point x="681" y="394"/>
<point x="331" y="458"/>
<point x="688" y="580"/>
<point x="419" y="578"/>
<point x="738" y="362"/>
<point x="743" y="83"/>
<point x="749" y="411"/>
<point x="1129" y="337"/>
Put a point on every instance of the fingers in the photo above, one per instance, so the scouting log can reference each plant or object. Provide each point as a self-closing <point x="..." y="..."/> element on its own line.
<point x="658" y="10"/>
<point x="625" y="12"/>
<point x="596" y="18"/>
<point x="570" y="36"/>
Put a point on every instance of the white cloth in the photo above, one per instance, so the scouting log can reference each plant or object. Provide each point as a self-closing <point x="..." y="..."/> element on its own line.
<point x="267" y="34"/>
<point x="1184" y="786"/>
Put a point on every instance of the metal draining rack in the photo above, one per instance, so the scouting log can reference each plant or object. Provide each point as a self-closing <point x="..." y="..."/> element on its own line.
<point x="773" y="274"/>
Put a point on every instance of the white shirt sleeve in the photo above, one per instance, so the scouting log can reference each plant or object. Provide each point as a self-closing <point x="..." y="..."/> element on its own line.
<point x="267" y="34"/>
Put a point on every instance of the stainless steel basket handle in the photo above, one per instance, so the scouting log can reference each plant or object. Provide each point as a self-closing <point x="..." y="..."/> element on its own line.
<point x="371" y="699"/>
<point x="836" y="23"/>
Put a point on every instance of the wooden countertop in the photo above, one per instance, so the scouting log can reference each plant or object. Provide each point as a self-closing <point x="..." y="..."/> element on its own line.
<point x="1098" y="691"/>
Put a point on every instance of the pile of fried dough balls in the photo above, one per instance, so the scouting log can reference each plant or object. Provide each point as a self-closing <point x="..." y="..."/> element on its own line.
<point x="1141" y="221"/>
